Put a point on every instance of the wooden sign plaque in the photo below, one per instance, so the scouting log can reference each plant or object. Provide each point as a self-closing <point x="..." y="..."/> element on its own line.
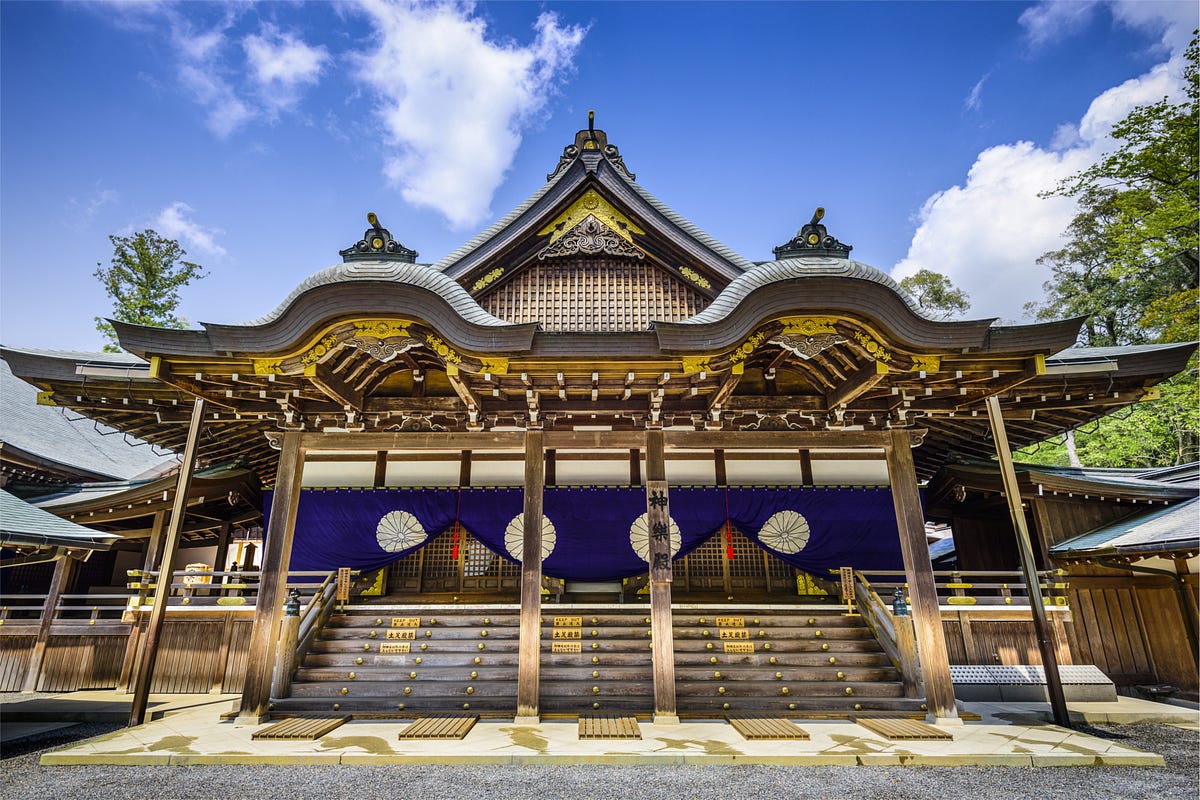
<point x="406" y="622"/>
<point x="387" y="648"/>
<point x="735" y="633"/>
<point x="566" y="647"/>
<point x="567" y="633"/>
<point x="739" y="647"/>
<point x="731" y="622"/>
<point x="404" y="633"/>
<point x="568" y="622"/>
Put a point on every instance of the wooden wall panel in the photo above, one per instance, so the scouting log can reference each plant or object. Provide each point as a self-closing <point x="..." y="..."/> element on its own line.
<point x="239" y="652"/>
<point x="1007" y="642"/>
<point x="187" y="656"/>
<point x="14" y="661"/>
<point x="1170" y="652"/>
<point x="954" y="642"/>
<point x="81" y="662"/>
<point x="1109" y="632"/>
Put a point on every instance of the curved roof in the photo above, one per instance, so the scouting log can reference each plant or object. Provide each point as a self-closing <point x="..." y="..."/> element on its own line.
<point x="422" y="276"/>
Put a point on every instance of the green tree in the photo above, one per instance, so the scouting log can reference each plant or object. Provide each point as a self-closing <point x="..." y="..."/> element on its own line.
<point x="143" y="279"/>
<point x="1130" y="266"/>
<point x="936" y="295"/>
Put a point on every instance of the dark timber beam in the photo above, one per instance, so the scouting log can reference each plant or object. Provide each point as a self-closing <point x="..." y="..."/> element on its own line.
<point x="277" y="556"/>
<point x="530" y="647"/>
<point x="927" y="617"/>
<point x="332" y="386"/>
<point x="721" y="395"/>
<point x="138" y="712"/>
<point x="63" y="570"/>
<point x="858" y="383"/>
<point x="662" y="635"/>
<point x="1041" y="624"/>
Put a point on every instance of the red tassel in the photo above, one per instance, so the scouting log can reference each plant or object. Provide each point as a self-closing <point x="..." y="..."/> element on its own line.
<point x="454" y="549"/>
<point x="729" y="542"/>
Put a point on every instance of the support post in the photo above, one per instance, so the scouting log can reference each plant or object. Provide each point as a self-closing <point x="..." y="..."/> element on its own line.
<point x="129" y="661"/>
<point x="277" y="556"/>
<point x="138" y="712"/>
<point x="222" y="555"/>
<point x="662" y="635"/>
<point x="285" y="657"/>
<point x="927" y="619"/>
<point x="63" y="569"/>
<point x="529" y="665"/>
<point x="1041" y="625"/>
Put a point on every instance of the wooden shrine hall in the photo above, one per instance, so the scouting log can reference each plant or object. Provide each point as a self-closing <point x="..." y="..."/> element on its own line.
<point x="685" y="436"/>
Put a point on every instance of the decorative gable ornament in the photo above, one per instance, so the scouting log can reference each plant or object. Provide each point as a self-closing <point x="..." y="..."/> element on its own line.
<point x="590" y="237"/>
<point x="377" y="244"/>
<point x="591" y="140"/>
<point x="813" y="240"/>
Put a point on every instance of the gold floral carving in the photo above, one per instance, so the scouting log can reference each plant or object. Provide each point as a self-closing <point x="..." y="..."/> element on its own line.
<point x="268" y="366"/>
<point x="926" y="363"/>
<point x="319" y="350"/>
<point x="747" y="347"/>
<point x="695" y="364"/>
<point x="444" y="351"/>
<point x="488" y="279"/>
<point x="808" y="326"/>
<point x="591" y="203"/>
<point x="381" y="328"/>
<point x="695" y="277"/>
<point x="877" y="350"/>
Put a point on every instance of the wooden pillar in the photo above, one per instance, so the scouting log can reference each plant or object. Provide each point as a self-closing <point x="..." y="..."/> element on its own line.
<point x="927" y="619"/>
<point x="64" y="567"/>
<point x="1041" y="625"/>
<point x="129" y="661"/>
<point x="138" y="712"/>
<point x="222" y="552"/>
<point x="658" y="523"/>
<point x="272" y="586"/>
<point x="530" y="652"/>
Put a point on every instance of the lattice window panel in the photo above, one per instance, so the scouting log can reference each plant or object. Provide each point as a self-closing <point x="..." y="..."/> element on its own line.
<point x="704" y="563"/>
<point x="747" y="559"/>
<point x="593" y="296"/>
<point x="407" y="567"/>
<point x="439" y="561"/>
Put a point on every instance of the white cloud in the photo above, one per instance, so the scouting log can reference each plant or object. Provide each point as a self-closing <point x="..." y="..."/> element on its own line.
<point x="974" y="101"/>
<point x="174" y="223"/>
<point x="987" y="233"/>
<point x="1049" y="22"/>
<point x="453" y="102"/>
<point x="282" y="63"/>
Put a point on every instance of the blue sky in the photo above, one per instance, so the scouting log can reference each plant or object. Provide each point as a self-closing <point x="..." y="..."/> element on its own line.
<point x="260" y="135"/>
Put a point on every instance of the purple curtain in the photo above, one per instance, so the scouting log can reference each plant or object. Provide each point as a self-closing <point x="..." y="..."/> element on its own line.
<point x="367" y="528"/>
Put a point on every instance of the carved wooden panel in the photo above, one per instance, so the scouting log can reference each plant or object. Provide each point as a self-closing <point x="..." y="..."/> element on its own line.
<point x="593" y="295"/>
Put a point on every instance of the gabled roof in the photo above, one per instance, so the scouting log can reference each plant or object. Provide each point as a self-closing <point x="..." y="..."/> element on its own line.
<point x="22" y="525"/>
<point x="1163" y="531"/>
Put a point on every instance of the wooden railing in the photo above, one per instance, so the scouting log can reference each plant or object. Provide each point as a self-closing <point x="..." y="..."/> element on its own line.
<point x="979" y="587"/>
<point x="314" y="616"/>
<point x="894" y="633"/>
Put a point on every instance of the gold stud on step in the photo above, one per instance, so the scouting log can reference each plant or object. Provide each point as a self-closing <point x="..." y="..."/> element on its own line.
<point x="343" y="690"/>
<point x="720" y="690"/>
<point x="466" y="706"/>
<point x="754" y="621"/>
<point x="767" y="646"/>
<point x="372" y="635"/>
<point x="595" y="674"/>
<point x="824" y="647"/>
<point x="358" y="660"/>
<point x="478" y="660"/>
<point x="412" y="675"/>
<point x="595" y="633"/>
<point x="351" y="676"/>
<point x="595" y="690"/>
<point x="487" y="620"/>
<point x="832" y="659"/>
<point x="774" y="660"/>
<point x="424" y="646"/>
<point x="785" y="690"/>
<point x="849" y="690"/>
<point x="408" y="690"/>
<point x="708" y="646"/>
<point x="818" y="634"/>
<point x="716" y="675"/>
<point x="841" y="676"/>
<point x="595" y="705"/>
<point x="595" y="659"/>
<point x="400" y="707"/>
<point x="470" y="690"/>
<point x="337" y="706"/>
<point x="595" y="645"/>
<point x="481" y="646"/>
<point x="712" y="660"/>
<point x="725" y="706"/>
<point x="483" y="634"/>
<point x="594" y="620"/>
<point x="428" y="634"/>
<point x="474" y="674"/>
<point x="705" y="633"/>
<point x="366" y="647"/>
<point x="812" y="620"/>
<point x="778" y="676"/>
<point x="791" y="706"/>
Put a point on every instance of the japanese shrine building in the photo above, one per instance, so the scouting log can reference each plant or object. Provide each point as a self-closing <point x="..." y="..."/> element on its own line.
<point x="595" y="379"/>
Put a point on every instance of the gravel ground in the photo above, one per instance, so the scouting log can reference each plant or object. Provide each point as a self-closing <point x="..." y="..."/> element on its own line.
<point x="21" y="777"/>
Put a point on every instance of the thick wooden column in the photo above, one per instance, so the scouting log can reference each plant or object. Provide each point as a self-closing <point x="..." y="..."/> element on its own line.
<point x="222" y="550"/>
<point x="138" y="712"/>
<point x="927" y="618"/>
<point x="658" y="523"/>
<point x="64" y="568"/>
<point x="1041" y="625"/>
<point x="129" y="661"/>
<point x="272" y="586"/>
<point x="530" y="654"/>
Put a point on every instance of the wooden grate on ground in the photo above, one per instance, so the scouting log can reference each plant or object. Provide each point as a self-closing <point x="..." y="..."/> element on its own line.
<point x="604" y="726"/>
<point x="306" y="728"/>
<point x="752" y="727"/>
<point x="440" y="726"/>
<point x="903" y="729"/>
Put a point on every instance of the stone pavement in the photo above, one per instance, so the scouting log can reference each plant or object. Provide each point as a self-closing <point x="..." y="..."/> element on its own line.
<point x="192" y="732"/>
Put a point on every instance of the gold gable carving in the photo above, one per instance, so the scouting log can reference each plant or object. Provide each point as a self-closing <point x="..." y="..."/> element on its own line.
<point x="591" y="204"/>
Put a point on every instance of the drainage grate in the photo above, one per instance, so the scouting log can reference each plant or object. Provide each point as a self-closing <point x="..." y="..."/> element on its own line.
<point x="903" y="729"/>
<point x="440" y="726"/>
<point x="306" y="728"/>
<point x="600" y="726"/>
<point x="751" y="727"/>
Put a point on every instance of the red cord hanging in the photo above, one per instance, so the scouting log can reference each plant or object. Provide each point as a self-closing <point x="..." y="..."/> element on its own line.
<point x="454" y="535"/>
<point x="728" y="529"/>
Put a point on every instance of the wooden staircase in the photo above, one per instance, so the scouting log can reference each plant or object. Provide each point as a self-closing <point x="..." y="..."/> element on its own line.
<point x="399" y="661"/>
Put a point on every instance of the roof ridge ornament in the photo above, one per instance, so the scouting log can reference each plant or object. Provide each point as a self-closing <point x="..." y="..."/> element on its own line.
<point x="377" y="244"/>
<point x="813" y="240"/>
<point x="591" y="140"/>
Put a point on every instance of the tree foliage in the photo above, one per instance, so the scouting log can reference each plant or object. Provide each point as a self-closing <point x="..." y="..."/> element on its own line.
<point x="1130" y="266"/>
<point x="936" y="295"/>
<point x="143" y="279"/>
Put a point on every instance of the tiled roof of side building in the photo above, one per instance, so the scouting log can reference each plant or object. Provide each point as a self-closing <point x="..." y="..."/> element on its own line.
<point x="1161" y="530"/>
<point x="58" y="436"/>
<point x="22" y="524"/>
